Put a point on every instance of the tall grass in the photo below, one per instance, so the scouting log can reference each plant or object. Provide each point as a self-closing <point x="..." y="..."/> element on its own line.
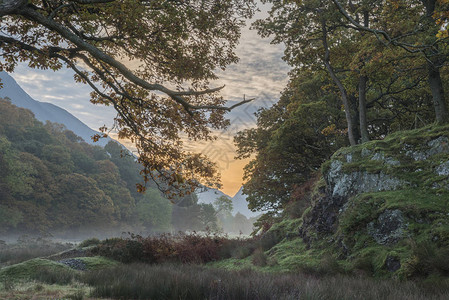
<point x="141" y="281"/>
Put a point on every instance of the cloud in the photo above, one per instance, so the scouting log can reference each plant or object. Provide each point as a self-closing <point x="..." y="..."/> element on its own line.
<point x="59" y="88"/>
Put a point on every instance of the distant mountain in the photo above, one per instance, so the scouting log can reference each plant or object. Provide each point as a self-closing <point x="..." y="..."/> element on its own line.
<point x="209" y="195"/>
<point x="46" y="111"/>
<point x="240" y="205"/>
<point x="238" y="201"/>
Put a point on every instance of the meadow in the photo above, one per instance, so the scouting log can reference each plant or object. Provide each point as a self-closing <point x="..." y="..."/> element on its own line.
<point x="184" y="267"/>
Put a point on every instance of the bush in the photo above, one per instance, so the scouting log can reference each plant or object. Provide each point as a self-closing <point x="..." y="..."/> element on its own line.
<point x="259" y="258"/>
<point x="427" y="259"/>
<point x="182" y="248"/>
<point x="89" y="242"/>
<point x="191" y="248"/>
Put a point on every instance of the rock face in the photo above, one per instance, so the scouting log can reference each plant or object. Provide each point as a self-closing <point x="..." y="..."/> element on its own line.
<point x="381" y="195"/>
<point x="388" y="228"/>
<point x="74" y="263"/>
<point x="343" y="184"/>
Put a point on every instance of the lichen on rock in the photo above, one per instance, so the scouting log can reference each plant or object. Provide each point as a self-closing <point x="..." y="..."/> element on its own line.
<point x="389" y="227"/>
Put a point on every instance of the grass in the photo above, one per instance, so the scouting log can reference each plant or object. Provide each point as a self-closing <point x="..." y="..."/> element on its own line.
<point x="98" y="262"/>
<point x="197" y="282"/>
<point x="89" y="242"/>
<point x="254" y="277"/>
<point x="40" y="279"/>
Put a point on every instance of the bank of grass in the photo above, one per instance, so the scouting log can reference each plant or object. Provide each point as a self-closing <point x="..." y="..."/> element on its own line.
<point x="33" y="268"/>
<point x="198" y="282"/>
<point x="38" y="291"/>
<point x="41" y="279"/>
<point x="253" y="277"/>
<point x="98" y="262"/>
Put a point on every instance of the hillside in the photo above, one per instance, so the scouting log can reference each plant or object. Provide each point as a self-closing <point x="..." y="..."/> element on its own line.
<point x="46" y="111"/>
<point x="52" y="182"/>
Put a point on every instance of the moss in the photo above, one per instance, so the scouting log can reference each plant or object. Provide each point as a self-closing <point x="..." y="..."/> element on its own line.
<point x="411" y="201"/>
<point x="286" y="227"/>
<point x="98" y="262"/>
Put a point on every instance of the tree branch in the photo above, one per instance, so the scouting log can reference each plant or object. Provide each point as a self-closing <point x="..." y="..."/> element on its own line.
<point x="178" y="96"/>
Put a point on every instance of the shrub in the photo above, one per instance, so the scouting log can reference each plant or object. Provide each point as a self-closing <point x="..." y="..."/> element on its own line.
<point x="183" y="248"/>
<point x="300" y="197"/>
<point x="259" y="258"/>
<point x="427" y="259"/>
<point x="89" y="242"/>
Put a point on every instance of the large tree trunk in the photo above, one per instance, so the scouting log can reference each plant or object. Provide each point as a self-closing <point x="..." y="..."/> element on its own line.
<point x="363" y="80"/>
<point x="344" y="94"/>
<point x="345" y="99"/>
<point x="436" y="87"/>
<point x="433" y="67"/>
<point x="362" y="109"/>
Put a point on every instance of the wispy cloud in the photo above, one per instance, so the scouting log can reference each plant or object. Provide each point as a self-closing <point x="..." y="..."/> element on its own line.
<point x="260" y="74"/>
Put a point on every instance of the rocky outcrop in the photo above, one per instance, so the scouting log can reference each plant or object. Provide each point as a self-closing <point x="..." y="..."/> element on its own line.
<point x="381" y="195"/>
<point x="74" y="263"/>
<point x="342" y="184"/>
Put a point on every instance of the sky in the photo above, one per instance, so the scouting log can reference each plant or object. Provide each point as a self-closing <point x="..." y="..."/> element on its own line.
<point x="260" y="74"/>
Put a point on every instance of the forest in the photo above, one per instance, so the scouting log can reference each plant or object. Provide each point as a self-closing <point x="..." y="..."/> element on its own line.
<point x="53" y="183"/>
<point x="360" y="71"/>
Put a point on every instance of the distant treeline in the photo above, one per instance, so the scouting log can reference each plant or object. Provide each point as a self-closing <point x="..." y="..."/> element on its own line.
<point x="51" y="181"/>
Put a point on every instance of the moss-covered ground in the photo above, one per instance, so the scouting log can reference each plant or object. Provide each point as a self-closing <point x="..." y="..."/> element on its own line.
<point x="423" y="248"/>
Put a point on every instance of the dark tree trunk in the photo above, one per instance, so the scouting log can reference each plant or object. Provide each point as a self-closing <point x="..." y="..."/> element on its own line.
<point x="363" y="80"/>
<point x="344" y="94"/>
<point x="362" y="109"/>
<point x="353" y="108"/>
<point x="436" y="87"/>
<point x="434" y="63"/>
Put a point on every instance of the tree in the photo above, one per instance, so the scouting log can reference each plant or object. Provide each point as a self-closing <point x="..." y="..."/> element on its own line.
<point x="312" y="33"/>
<point x="419" y="34"/>
<point x="208" y="217"/>
<point x="154" y="211"/>
<point x="223" y="204"/>
<point x="151" y="60"/>
<point x="371" y="78"/>
<point x="292" y="139"/>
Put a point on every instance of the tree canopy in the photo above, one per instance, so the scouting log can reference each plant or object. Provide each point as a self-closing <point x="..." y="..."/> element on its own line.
<point x="362" y="69"/>
<point x="373" y="51"/>
<point x="51" y="181"/>
<point x="151" y="60"/>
